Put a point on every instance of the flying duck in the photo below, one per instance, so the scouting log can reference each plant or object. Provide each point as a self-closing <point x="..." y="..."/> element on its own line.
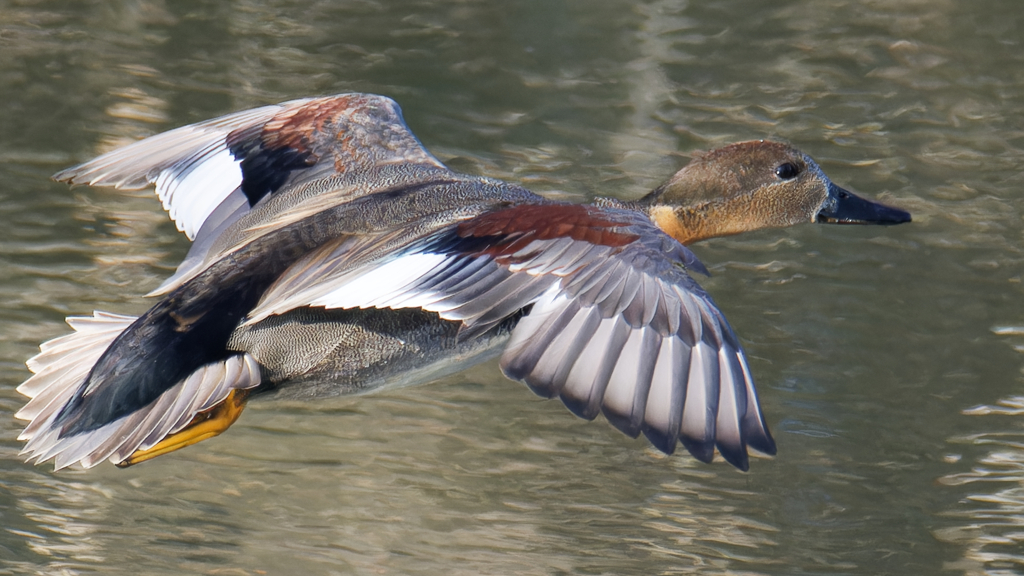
<point x="333" y="254"/>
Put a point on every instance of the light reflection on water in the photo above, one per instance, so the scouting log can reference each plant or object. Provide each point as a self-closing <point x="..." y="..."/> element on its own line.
<point x="990" y="517"/>
<point x="868" y="344"/>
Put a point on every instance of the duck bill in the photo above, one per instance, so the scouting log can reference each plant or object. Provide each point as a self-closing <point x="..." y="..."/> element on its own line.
<point x="845" y="207"/>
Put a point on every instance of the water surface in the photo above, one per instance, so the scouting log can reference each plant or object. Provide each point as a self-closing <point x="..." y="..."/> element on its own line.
<point x="889" y="360"/>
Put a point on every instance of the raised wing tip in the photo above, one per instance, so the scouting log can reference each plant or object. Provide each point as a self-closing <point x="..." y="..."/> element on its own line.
<point x="67" y="175"/>
<point x="88" y="174"/>
<point x="74" y="176"/>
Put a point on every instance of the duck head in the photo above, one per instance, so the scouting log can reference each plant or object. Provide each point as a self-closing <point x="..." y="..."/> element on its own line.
<point x="753" y="185"/>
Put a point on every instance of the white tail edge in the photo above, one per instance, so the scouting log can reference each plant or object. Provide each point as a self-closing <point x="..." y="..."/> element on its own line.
<point x="61" y="368"/>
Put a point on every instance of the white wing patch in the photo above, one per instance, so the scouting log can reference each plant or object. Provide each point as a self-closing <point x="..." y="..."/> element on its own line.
<point x="191" y="166"/>
<point x="193" y="189"/>
<point x="379" y="285"/>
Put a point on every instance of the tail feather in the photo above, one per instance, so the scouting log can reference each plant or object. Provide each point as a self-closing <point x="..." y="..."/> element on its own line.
<point x="175" y="410"/>
<point x="63" y="364"/>
<point x="62" y="367"/>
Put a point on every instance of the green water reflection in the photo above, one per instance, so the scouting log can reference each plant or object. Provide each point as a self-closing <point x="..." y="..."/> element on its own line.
<point x="887" y="359"/>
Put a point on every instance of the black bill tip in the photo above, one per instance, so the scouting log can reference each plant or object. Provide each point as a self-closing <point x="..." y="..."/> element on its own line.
<point x="845" y="207"/>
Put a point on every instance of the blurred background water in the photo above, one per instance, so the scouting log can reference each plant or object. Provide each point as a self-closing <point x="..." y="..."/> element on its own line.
<point x="890" y="360"/>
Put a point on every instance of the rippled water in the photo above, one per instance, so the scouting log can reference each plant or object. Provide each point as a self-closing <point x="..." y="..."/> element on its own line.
<point x="890" y="360"/>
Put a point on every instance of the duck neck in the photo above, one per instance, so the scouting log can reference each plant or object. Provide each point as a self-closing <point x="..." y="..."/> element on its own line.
<point x="687" y="224"/>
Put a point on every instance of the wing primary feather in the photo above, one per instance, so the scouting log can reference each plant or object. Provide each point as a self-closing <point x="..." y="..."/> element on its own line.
<point x="664" y="412"/>
<point x="732" y="405"/>
<point x="630" y="382"/>
<point x="755" y="430"/>
<point x="531" y="339"/>
<point x="586" y="383"/>
<point x="561" y="353"/>
<point x="697" y="432"/>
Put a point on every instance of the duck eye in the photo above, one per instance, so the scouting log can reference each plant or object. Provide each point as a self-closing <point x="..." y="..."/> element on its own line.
<point x="787" y="170"/>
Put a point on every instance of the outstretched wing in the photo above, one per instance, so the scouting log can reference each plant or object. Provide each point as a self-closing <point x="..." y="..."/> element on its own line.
<point x="234" y="161"/>
<point x="615" y="324"/>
